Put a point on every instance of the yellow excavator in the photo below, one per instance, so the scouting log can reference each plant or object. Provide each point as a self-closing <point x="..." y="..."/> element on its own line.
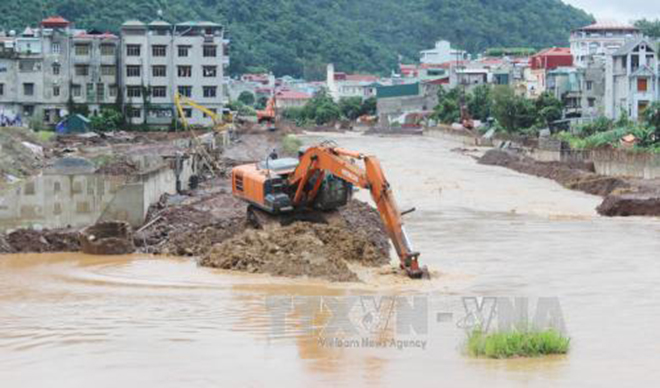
<point x="221" y="123"/>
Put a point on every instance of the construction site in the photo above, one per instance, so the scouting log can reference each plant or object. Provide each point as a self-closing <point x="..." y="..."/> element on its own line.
<point x="151" y="238"/>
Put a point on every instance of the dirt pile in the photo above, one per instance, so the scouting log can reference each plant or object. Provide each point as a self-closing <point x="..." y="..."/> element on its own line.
<point x="361" y="217"/>
<point x="27" y="240"/>
<point x="575" y="176"/>
<point x="301" y="249"/>
<point x="21" y="154"/>
<point x="121" y="167"/>
<point x="623" y="196"/>
<point x="630" y="205"/>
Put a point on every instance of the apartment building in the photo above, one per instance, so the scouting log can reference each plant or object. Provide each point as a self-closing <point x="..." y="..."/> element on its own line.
<point x="42" y="68"/>
<point x="631" y="79"/>
<point x="600" y="39"/>
<point x="159" y="60"/>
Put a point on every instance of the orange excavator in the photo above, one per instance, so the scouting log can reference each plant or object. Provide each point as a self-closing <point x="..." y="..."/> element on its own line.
<point x="268" y="115"/>
<point x="322" y="180"/>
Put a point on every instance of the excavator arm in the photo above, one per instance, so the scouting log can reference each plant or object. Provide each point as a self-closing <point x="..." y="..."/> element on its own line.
<point x="321" y="160"/>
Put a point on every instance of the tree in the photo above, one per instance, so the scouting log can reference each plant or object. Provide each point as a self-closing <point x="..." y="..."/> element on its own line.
<point x="448" y="109"/>
<point x="246" y="98"/>
<point x="652" y="118"/>
<point x="108" y="120"/>
<point x="479" y="102"/>
<point x="513" y="113"/>
<point x="649" y="27"/>
<point x="369" y="106"/>
<point x="549" y="108"/>
<point x="351" y="108"/>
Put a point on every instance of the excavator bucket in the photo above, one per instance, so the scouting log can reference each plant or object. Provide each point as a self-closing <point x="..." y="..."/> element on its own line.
<point x="419" y="273"/>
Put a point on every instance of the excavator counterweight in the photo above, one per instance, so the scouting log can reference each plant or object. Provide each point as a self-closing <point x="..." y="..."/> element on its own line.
<point x="322" y="179"/>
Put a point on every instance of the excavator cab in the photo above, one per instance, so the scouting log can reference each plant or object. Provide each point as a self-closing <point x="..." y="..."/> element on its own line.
<point x="334" y="193"/>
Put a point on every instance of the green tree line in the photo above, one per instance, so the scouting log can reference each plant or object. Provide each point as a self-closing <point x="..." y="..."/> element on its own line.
<point x="298" y="37"/>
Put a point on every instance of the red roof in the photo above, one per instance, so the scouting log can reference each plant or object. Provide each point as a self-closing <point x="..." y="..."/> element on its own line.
<point x="105" y="35"/>
<point x="552" y="58"/>
<point x="361" y="77"/>
<point x="55" y="21"/>
<point x="287" y="94"/>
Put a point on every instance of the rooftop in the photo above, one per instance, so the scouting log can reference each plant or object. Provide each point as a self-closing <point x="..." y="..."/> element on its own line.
<point x="610" y="25"/>
<point x="554" y="51"/>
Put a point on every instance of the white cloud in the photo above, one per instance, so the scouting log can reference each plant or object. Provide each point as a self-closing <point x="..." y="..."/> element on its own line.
<point x="619" y="10"/>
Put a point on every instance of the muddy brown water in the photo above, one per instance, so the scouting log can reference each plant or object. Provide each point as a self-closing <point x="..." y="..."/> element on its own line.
<point x="70" y="320"/>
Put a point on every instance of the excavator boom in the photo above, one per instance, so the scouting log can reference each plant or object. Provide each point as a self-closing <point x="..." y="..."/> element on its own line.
<point x="341" y="163"/>
<point x="321" y="179"/>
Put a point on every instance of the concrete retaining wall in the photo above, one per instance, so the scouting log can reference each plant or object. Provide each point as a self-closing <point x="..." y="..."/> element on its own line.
<point x="629" y="164"/>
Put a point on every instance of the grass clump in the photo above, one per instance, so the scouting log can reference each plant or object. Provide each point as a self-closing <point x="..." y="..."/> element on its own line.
<point x="517" y="344"/>
<point x="291" y="144"/>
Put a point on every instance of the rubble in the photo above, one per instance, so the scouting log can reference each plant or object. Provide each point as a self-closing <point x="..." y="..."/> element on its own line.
<point x="107" y="238"/>
<point x="39" y="241"/>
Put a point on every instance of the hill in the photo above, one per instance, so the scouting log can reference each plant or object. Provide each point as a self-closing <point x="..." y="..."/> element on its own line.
<point x="298" y="37"/>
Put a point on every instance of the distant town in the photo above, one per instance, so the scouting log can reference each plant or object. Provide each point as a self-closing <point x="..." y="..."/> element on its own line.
<point x="49" y="71"/>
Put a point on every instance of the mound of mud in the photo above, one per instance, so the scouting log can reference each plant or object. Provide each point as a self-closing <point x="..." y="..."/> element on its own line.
<point x="360" y="216"/>
<point x="198" y="240"/>
<point x="33" y="241"/>
<point x="574" y="176"/>
<point x="301" y="249"/>
<point x="629" y="205"/>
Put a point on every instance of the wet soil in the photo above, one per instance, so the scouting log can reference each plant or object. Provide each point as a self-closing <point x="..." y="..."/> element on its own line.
<point x="623" y="196"/>
<point x="26" y="240"/>
<point x="301" y="249"/>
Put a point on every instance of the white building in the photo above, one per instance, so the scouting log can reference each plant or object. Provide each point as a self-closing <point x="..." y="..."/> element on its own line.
<point x="342" y="85"/>
<point x="600" y="39"/>
<point x="631" y="79"/>
<point x="441" y="53"/>
<point x="163" y="59"/>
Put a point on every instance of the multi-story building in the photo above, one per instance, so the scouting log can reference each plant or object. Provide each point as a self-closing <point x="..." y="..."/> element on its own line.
<point x="631" y="79"/>
<point x="43" y="69"/>
<point x="600" y="39"/>
<point x="441" y="53"/>
<point x="159" y="60"/>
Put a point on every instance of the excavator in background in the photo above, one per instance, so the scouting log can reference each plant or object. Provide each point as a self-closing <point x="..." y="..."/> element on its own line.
<point x="221" y="123"/>
<point x="322" y="180"/>
<point x="268" y="115"/>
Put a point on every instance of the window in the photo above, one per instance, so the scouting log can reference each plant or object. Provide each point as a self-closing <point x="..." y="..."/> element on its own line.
<point x="159" y="71"/>
<point x="184" y="71"/>
<point x="185" y="91"/>
<point x="133" y="50"/>
<point x="82" y="70"/>
<point x="159" y="91"/>
<point x="2" y="89"/>
<point x="184" y="51"/>
<point x="82" y="49"/>
<point x="590" y="85"/>
<point x="210" y="71"/>
<point x="56" y="91"/>
<point x="187" y="112"/>
<point x="28" y="110"/>
<point x="210" y="51"/>
<point x="56" y="68"/>
<point x="133" y="91"/>
<point x="159" y="50"/>
<point x="28" y="89"/>
<point x="28" y="66"/>
<point x="210" y="91"/>
<point x="76" y="90"/>
<point x="134" y="113"/>
<point x="592" y="102"/>
<point x="112" y="91"/>
<point x="133" y="71"/>
<point x="108" y="49"/>
<point x="100" y="92"/>
<point x="108" y="71"/>
<point x="642" y="84"/>
<point x="55" y="48"/>
<point x="90" y="91"/>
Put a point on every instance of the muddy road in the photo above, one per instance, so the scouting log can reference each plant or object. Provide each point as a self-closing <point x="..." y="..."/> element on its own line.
<point x="69" y="320"/>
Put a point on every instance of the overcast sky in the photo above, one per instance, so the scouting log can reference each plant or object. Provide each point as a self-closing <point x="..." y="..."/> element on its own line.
<point x="619" y="10"/>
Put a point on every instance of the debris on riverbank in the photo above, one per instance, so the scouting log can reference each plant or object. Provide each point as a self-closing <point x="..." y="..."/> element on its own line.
<point x="42" y="241"/>
<point x="623" y="196"/>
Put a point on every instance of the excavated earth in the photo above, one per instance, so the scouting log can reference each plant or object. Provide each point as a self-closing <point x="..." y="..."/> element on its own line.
<point x="301" y="249"/>
<point x="623" y="196"/>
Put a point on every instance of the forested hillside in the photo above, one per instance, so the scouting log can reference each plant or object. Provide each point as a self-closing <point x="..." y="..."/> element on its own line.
<point x="298" y="36"/>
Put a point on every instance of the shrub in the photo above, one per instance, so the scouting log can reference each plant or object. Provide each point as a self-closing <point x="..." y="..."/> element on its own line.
<point x="517" y="344"/>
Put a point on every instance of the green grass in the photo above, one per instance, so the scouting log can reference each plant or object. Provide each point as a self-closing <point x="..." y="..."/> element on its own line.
<point x="517" y="344"/>
<point x="291" y="144"/>
<point x="45" y="136"/>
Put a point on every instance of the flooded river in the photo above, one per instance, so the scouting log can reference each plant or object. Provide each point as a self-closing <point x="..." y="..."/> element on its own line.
<point x="70" y="320"/>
